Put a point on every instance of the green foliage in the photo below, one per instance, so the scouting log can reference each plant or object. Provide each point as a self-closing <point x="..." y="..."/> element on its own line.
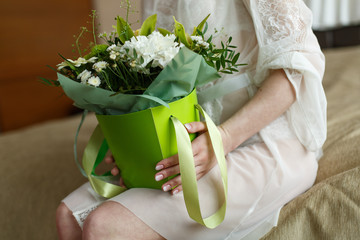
<point x="148" y="25"/>
<point x="163" y="31"/>
<point x="224" y="59"/>
<point x="180" y="33"/>
<point x="200" y="27"/>
<point x="97" y="50"/>
<point x="124" y="31"/>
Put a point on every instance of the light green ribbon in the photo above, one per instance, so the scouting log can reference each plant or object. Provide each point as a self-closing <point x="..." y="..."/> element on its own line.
<point x="97" y="147"/>
<point x="94" y="152"/>
<point x="188" y="173"/>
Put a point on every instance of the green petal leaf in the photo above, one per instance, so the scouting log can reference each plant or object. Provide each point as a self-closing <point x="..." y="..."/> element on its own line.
<point x="163" y="31"/>
<point x="124" y="30"/>
<point x="148" y="25"/>
<point x="179" y="32"/>
<point x="200" y="26"/>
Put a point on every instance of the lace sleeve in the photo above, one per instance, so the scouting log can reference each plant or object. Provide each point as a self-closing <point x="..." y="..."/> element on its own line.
<point x="286" y="41"/>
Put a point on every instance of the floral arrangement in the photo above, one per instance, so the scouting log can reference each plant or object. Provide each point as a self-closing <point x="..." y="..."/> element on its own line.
<point x="129" y="61"/>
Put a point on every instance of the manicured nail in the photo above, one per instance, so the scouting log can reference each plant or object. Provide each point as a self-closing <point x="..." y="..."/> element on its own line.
<point x="175" y="192"/>
<point x="188" y="126"/>
<point x="159" y="167"/>
<point x="159" y="177"/>
<point x="166" y="188"/>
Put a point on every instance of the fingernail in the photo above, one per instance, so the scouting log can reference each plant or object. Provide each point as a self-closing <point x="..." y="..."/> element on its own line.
<point x="188" y="126"/>
<point x="159" y="177"/>
<point x="166" y="188"/>
<point x="175" y="192"/>
<point x="159" y="167"/>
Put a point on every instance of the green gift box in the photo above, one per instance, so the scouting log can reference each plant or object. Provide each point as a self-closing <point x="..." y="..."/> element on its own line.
<point x="139" y="140"/>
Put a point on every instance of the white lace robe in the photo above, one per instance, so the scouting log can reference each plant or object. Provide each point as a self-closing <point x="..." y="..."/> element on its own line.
<point x="273" y="166"/>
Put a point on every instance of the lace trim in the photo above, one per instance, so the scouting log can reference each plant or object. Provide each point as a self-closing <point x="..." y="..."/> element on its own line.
<point x="81" y="215"/>
<point x="282" y="19"/>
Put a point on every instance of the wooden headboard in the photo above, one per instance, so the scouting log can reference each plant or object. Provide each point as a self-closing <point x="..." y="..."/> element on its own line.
<point x="32" y="35"/>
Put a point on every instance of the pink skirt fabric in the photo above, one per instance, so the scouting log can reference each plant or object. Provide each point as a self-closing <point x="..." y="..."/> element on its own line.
<point x="259" y="185"/>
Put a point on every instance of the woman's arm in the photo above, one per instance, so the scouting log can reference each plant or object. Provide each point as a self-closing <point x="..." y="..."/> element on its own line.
<point x="272" y="99"/>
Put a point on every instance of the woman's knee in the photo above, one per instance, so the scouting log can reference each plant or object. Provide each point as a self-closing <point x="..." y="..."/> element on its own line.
<point x="100" y="223"/>
<point x="66" y="225"/>
<point x="63" y="213"/>
<point x="112" y="220"/>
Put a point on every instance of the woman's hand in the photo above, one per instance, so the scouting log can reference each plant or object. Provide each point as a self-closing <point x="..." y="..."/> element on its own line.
<point x="204" y="158"/>
<point x="115" y="170"/>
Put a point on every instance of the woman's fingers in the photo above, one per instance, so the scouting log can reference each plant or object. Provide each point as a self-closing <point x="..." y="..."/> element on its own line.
<point x="115" y="171"/>
<point x="173" y="185"/>
<point x="195" y="127"/>
<point x="167" y="162"/>
<point x="109" y="159"/>
<point x="167" y="172"/>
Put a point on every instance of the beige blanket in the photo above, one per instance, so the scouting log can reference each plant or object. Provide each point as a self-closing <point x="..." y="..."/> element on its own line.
<point x="331" y="208"/>
<point x="36" y="164"/>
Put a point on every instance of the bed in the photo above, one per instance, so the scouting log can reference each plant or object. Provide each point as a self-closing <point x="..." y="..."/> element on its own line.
<point x="37" y="168"/>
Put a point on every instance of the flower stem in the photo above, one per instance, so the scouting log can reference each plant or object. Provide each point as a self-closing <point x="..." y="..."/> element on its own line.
<point x="93" y="24"/>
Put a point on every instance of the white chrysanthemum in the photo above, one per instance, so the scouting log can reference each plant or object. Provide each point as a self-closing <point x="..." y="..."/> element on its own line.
<point x="200" y="42"/>
<point x="99" y="66"/>
<point x="94" y="81"/>
<point x="155" y="47"/>
<point x="84" y="76"/>
<point x="62" y="65"/>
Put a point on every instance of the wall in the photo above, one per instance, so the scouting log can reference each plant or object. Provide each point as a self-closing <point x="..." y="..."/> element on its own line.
<point x="32" y="35"/>
<point x="109" y="9"/>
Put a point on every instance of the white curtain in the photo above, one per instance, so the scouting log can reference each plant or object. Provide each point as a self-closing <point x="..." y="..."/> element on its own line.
<point x="334" y="13"/>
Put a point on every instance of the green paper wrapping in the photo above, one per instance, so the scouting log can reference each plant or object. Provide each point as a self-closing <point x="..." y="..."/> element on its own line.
<point x="139" y="140"/>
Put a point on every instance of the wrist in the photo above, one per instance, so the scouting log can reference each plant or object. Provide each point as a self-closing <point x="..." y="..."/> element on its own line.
<point x="226" y="139"/>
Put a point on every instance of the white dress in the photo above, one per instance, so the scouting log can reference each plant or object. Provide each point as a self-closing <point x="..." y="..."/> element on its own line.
<point x="273" y="166"/>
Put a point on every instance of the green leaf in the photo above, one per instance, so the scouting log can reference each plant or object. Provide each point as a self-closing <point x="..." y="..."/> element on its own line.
<point x="148" y="25"/>
<point x="164" y="32"/>
<point x="124" y="30"/>
<point x="69" y="63"/>
<point x="236" y="57"/>
<point x="224" y="71"/>
<point x="222" y="59"/>
<point x="218" y="65"/>
<point x="179" y="32"/>
<point x="54" y="69"/>
<point x="200" y="26"/>
<point x="49" y="82"/>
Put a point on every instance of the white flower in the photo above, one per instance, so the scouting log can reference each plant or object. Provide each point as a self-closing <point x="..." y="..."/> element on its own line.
<point x="62" y="65"/>
<point x="200" y="42"/>
<point x="99" y="66"/>
<point x="92" y="60"/>
<point x="84" y="76"/>
<point x="94" y="81"/>
<point x="156" y="48"/>
<point x="113" y="55"/>
<point x="78" y="62"/>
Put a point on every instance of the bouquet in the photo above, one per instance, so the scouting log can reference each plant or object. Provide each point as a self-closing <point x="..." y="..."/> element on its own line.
<point x="141" y="85"/>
